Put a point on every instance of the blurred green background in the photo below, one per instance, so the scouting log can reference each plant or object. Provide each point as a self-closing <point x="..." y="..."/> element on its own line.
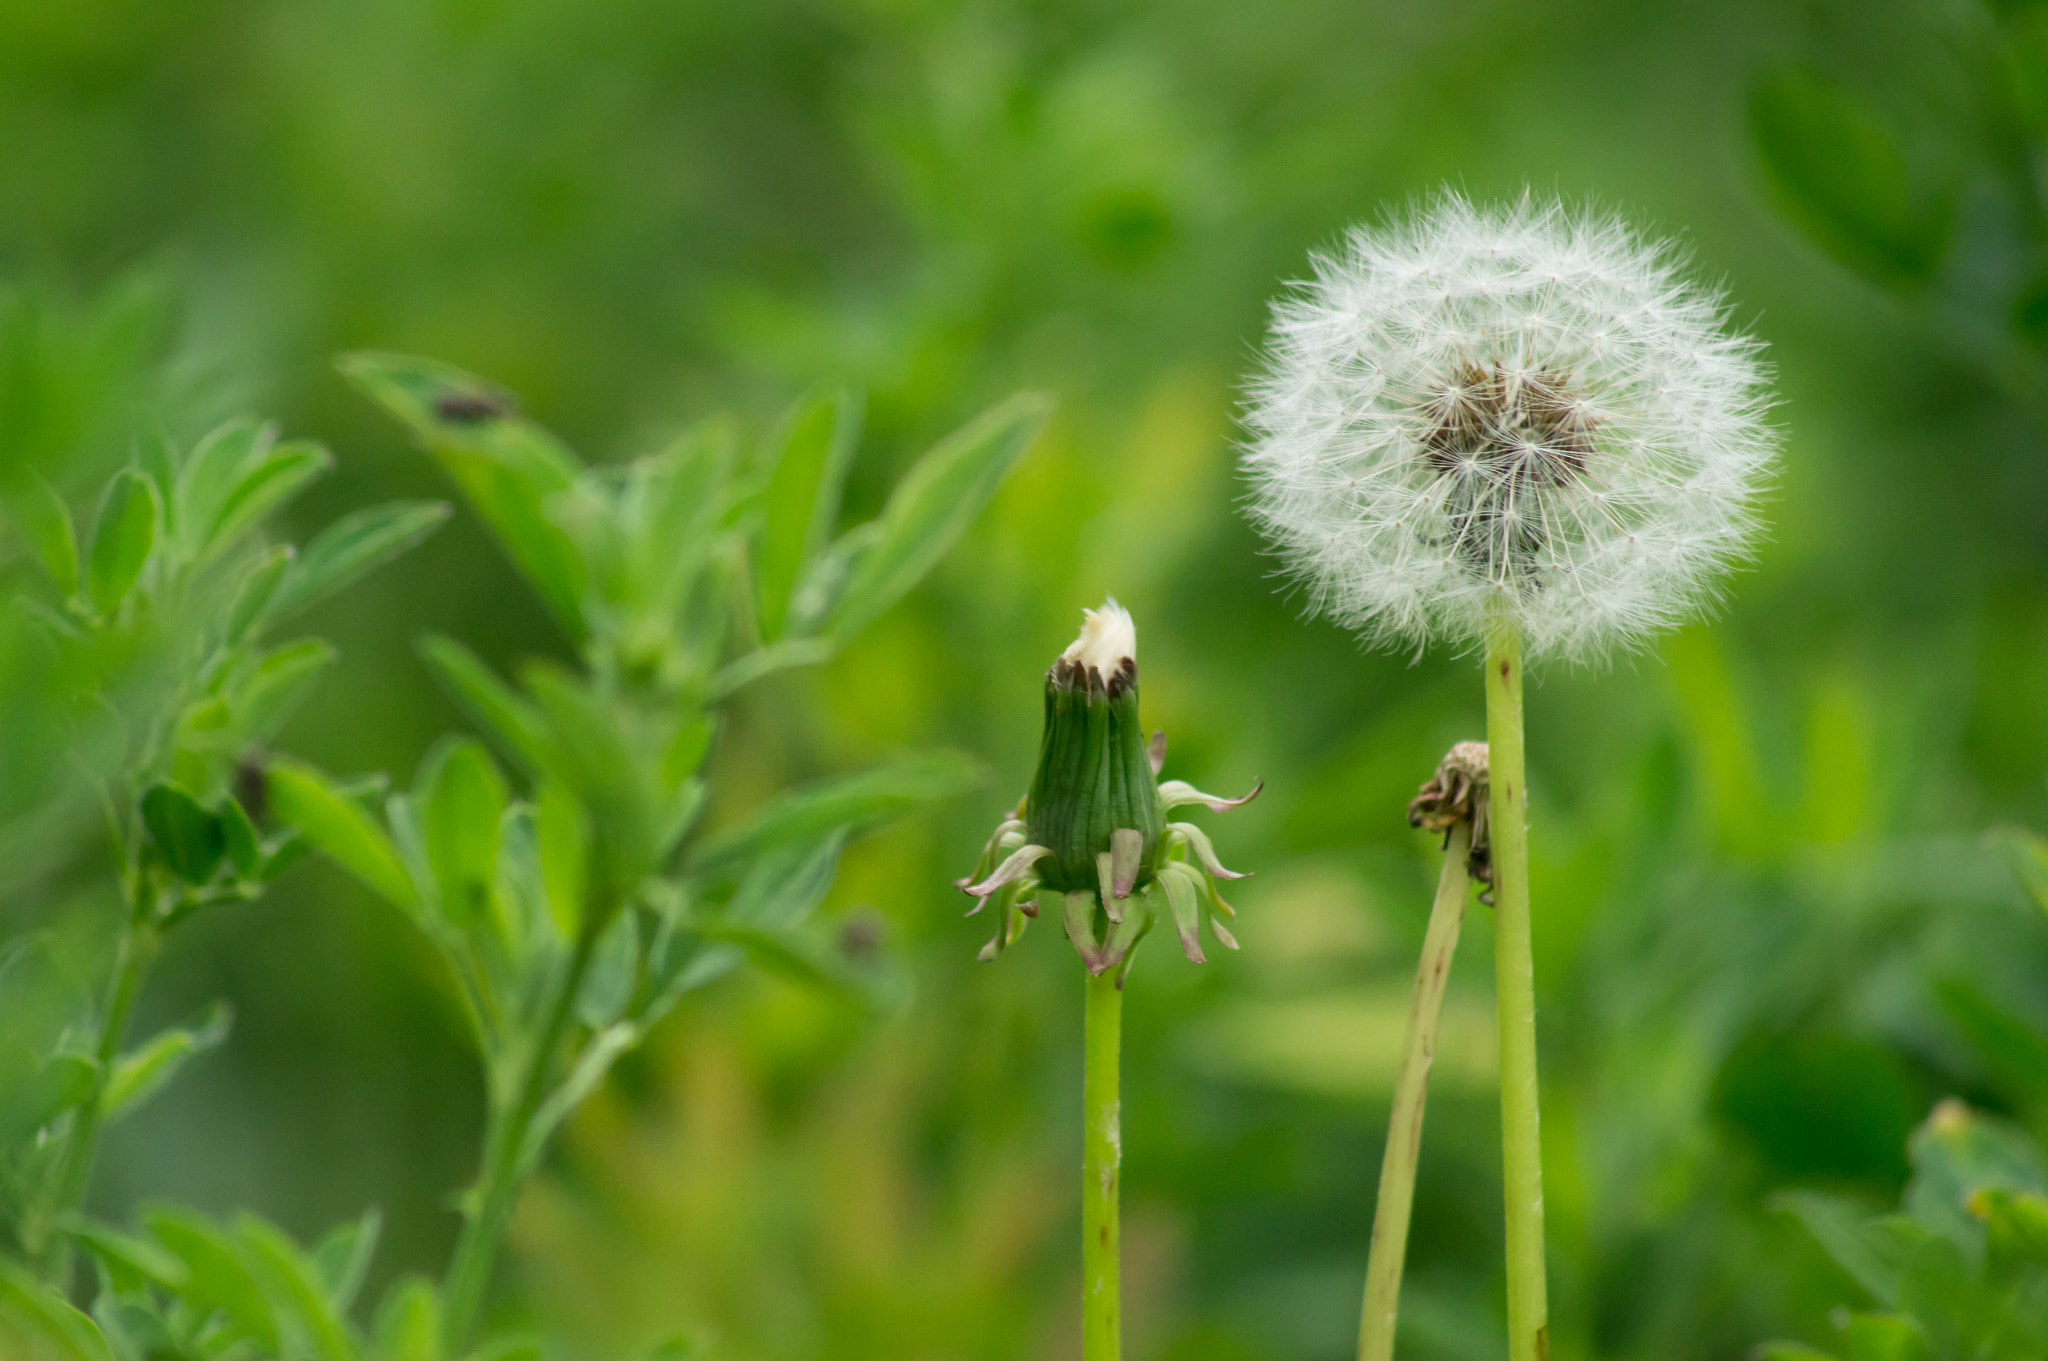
<point x="1771" y="929"/>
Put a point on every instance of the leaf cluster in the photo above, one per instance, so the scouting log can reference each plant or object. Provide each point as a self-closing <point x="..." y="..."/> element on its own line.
<point x="1961" y="1270"/>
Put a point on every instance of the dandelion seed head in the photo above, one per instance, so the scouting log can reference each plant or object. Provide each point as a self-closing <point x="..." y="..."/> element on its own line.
<point x="1519" y="408"/>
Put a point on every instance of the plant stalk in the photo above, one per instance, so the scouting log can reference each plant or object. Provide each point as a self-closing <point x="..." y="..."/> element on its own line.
<point x="66" y="1187"/>
<point x="1404" y="1129"/>
<point x="483" y="1227"/>
<point x="1101" y="1154"/>
<point x="1515" y="988"/>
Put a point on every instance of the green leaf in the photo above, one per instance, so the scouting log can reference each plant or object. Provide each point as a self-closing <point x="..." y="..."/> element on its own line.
<point x="343" y="1256"/>
<point x="245" y="847"/>
<point x="297" y="1294"/>
<point x="258" y="589"/>
<point x="591" y="1065"/>
<point x="409" y="1322"/>
<point x="933" y="505"/>
<point x="1957" y="1152"/>
<point x="785" y="884"/>
<point x="461" y="799"/>
<point x="502" y="712"/>
<point x="220" y="1278"/>
<point x="2015" y="1231"/>
<point x="354" y="546"/>
<point x="211" y="472"/>
<point x="137" y="1257"/>
<point x="190" y="839"/>
<point x="563" y="834"/>
<point x="44" y="522"/>
<point x="142" y="1072"/>
<point x="1837" y="1226"/>
<point x="28" y="1306"/>
<point x="853" y="802"/>
<point x="122" y="538"/>
<point x="1840" y="177"/>
<point x="269" y="692"/>
<point x="281" y="473"/>
<point x="33" y="1099"/>
<point x="614" y="969"/>
<point x="1885" y="1337"/>
<point x="510" y="470"/>
<point x="307" y="799"/>
<point x="809" y="457"/>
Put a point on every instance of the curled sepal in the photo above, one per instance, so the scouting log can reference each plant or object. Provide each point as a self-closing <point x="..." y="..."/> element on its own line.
<point x="1007" y="838"/>
<point x="1198" y="841"/>
<point x="1125" y="935"/>
<point x="1011" y="919"/>
<point x="1178" y="793"/>
<point x="1155" y="751"/>
<point x="1182" y="899"/>
<point x="1079" y="912"/>
<point x="1017" y="867"/>
<point x="1105" y="880"/>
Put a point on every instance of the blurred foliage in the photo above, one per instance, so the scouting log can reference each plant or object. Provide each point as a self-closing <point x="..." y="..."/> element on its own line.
<point x="1771" y="934"/>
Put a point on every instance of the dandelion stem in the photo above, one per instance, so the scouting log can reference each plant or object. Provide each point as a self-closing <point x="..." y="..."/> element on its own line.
<point x="1101" y="1153"/>
<point x="1521" y="1146"/>
<point x="1411" y="1089"/>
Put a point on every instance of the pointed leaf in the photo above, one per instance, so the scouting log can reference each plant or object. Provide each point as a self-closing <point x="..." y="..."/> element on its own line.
<point x="271" y="691"/>
<point x="354" y="546"/>
<point x="143" y="1071"/>
<point x="220" y="1277"/>
<point x="409" y="1322"/>
<point x="563" y="833"/>
<point x="334" y="825"/>
<point x="294" y="1287"/>
<point x="258" y="589"/>
<point x="28" y="1304"/>
<point x="501" y="711"/>
<point x="284" y="471"/>
<point x="510" y="470"/>
<point x="855" y="802"/>
<point x="810" y="455"/>
<point x="461" y="799"/>
<point x="122" y="538"/>
<point x="933" y="505"/>
<point x="34" y="1099"/>
<point x="44" y="522"/>
<point x="244" y="845"/>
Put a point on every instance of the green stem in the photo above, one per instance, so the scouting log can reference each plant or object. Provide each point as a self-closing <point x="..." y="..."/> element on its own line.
<point x="1411" y="1089"/>
<point x="1515" y="986"/>
<point x="469" y="1270"/>
<point x="1101" y="1154"/>
<point x="72" y="1172"/>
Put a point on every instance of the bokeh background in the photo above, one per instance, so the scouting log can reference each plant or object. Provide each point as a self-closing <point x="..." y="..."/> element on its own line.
<point x="1772" y="928"/>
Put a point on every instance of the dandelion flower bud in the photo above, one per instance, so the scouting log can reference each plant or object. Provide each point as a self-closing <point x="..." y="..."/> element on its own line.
<point x="1516" y="413"/>
<point x="1091" y="837"/>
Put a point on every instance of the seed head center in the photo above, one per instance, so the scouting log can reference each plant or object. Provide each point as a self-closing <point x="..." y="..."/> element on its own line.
<point x="1526" y="428"/>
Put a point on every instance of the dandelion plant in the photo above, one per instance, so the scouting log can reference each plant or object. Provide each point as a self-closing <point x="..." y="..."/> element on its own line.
<point x="1525" y="432"/>
<point x="1091" y="842"/>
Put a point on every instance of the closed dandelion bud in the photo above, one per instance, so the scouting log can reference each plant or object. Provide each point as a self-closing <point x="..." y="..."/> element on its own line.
<point x="1095" y="793"/>
<point x="1091" y="840"/>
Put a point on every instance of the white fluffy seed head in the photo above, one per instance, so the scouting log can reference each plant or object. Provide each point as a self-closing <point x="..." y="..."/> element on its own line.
<point x="1107" y="637"/>
<point x="1518" y="412"/>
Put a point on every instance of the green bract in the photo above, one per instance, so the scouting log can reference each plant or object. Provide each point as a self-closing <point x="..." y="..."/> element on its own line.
<point x="1091" y="838"/>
